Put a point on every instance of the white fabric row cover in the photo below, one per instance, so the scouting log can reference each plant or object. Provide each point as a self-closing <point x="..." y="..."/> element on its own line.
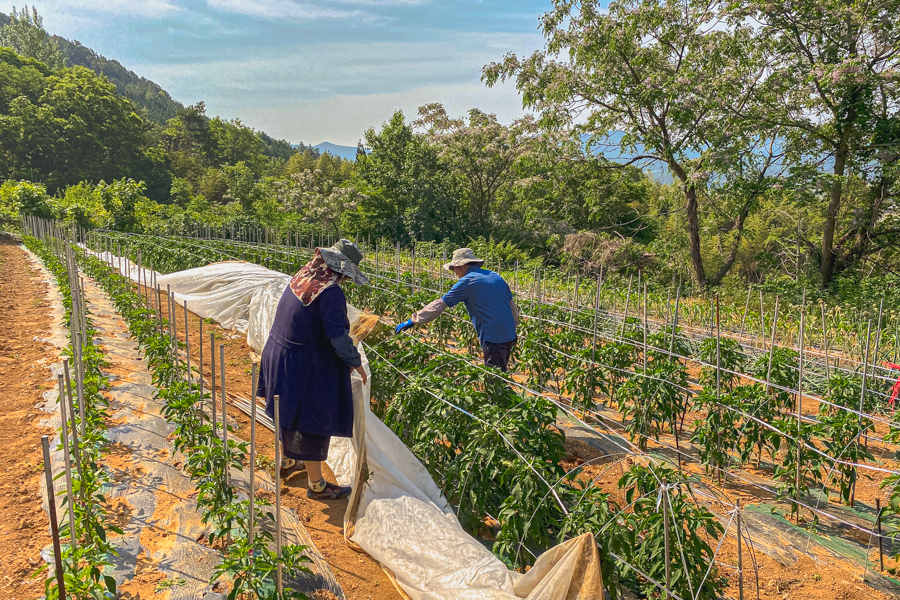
<point x="399" y="516"/>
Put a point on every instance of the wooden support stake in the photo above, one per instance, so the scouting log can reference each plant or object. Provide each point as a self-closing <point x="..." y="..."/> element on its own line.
<point x="54" y="523"/>
<point x="746" y="308"/>
<point x="212" y="379"/>
<point x="825" y="344"/>
<point x="800" y="406"/>
<point x="675" y="317"/>
<point x="187" y="350"/>
<point x="253" y="381"/>
<point x="772" y="347"/>
<point x="224" y="413"/>
<point x="278" y="491"/>
<point x="71" y="404"/>
<point x="862" y="405"/>
<point x="627" y="300"/>
<point x="740" y="559"/>
<point x="878" y="525"/>
<point x="64" y="434"/>
<point x="200" y="325"/>
<point x="596" y="316"/>
<point x="666" y="540"/>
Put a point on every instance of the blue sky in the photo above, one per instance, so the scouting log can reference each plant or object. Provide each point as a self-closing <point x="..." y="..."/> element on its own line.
<point x="310" y="70"/>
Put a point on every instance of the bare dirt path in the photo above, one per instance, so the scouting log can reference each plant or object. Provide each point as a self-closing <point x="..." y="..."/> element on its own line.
<point x="358" y="574"/>
<point x="24" y="361"/>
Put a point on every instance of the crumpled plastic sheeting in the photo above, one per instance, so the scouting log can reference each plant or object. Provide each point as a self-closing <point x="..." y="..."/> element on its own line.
<point x="237" y="295"/>
<point x="402" y="519"/>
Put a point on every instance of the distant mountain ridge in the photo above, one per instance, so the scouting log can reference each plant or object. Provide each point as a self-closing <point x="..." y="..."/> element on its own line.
<point x="149" y="95"/>
<point x="158" y="104"/>
<point x="348" y="152"/>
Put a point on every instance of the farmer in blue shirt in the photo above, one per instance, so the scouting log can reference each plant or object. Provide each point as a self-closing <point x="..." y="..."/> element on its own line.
<point x="490" y="304"/>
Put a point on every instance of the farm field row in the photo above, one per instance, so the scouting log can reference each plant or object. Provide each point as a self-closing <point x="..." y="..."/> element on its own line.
<point x="669" y="388"/>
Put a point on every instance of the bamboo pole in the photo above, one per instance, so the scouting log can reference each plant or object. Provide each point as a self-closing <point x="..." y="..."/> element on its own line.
<point x="253" y="380"/>
<point x="187" y="349"/>
<point x="740" y="559"/>
<point x="762" y="319"/>
<point x="746" y="308"/>
<point x="54" y="523"/>
<point x="627" y="301"/>
<point x="675" y="316"/>
<point x="200" y="378"/>
<point x="772" y="347"/>
<point x="665" y="503"/>
<point x="212" y="379"/>
<point x="862" y="403"/>
<point x="278" y="492"/>
<point x="596" y="316"/>
<point x="70" y="401"/>
<point x="800" y="406"/>
<point x="825" y="344"/>
<point x="224" y="413"/>
<point x="880" y="540"/>
<point x="64" y="434"/>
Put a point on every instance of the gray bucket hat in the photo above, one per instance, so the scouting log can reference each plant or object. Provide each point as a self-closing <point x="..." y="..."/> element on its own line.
<point x="344" y="257"/>
<point x="463" y="256"/>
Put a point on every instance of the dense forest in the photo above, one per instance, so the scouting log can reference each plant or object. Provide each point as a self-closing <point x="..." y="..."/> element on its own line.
<point x="777" y="128"/>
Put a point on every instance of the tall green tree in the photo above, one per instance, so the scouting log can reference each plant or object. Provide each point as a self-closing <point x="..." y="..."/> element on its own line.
<point x="26" y="35"/>
<point x="833" y="72"/>
<point x="482" y="152"/>
<point x="655" y="79"/>
<point x="406" y="192"/>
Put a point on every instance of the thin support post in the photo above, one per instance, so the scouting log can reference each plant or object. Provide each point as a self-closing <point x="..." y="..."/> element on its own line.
<point x="574" y="302"/>
<point x="772" y="347"/>
<point x="718" y="352"/>
<point x="665" y="504"/>
<point x="200" y="378"/>
<point x="878" y="526"/>
<point x="187" y="350"/>
<point x="800" y="406"/>
<point x="277" y="402"/>
<point x="70" y="401"/>
<point x="744" y="318"/>
<point x="675" y="317"/>
<point x="212" y="378"/>
<point x="596" y="317"/>
<point x="224" y="413"/>
<point x="64" y="433"/>
<point x="762" y="319"/>
<point x="627" y="300"/>
<point x="252" y="492"/>
<point x="825" y="344"/>
<point x="862" y="405"/>
<point x="54" y="523"/>
<point x="79" y="380"/>
<point x="740" y="558"/>
<point x="645" y="329"/>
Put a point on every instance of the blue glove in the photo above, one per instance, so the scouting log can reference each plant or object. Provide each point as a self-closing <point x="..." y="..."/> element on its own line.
<point x="404" y="326"/>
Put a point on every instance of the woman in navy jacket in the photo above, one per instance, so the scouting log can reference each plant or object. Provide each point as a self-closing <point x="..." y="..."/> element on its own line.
<point x="307" y="362"/>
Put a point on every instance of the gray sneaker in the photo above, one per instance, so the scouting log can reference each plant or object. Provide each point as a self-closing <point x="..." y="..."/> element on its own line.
<point x="331" y="492"/>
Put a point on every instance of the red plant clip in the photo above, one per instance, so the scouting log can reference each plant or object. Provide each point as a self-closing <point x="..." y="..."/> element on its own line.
<point x="896" y="389"/>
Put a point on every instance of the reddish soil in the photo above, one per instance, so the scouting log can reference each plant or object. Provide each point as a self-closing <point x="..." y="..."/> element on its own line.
<point x="24" y="376"/>
<point x="359" y="575"/>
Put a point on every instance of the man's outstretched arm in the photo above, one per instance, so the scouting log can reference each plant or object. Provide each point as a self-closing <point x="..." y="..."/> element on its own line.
<point x="423" y="316"/>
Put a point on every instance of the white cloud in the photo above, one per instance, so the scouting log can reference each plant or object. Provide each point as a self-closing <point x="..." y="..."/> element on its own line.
<point x="282" y="75"/>
<point x="283" y="9"/>
<point x="343" y="119"/>
<point x="147" y="9"/>
<point x="381" y="3"/>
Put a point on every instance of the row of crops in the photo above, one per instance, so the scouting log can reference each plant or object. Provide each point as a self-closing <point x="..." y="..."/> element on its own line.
<point x="238" y="526"/>
<point x="82" y="545"/>
<point x="492" y="443"/>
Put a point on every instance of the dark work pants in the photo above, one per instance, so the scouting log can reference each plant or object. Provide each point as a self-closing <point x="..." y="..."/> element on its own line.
<point x="497" y="355"/>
